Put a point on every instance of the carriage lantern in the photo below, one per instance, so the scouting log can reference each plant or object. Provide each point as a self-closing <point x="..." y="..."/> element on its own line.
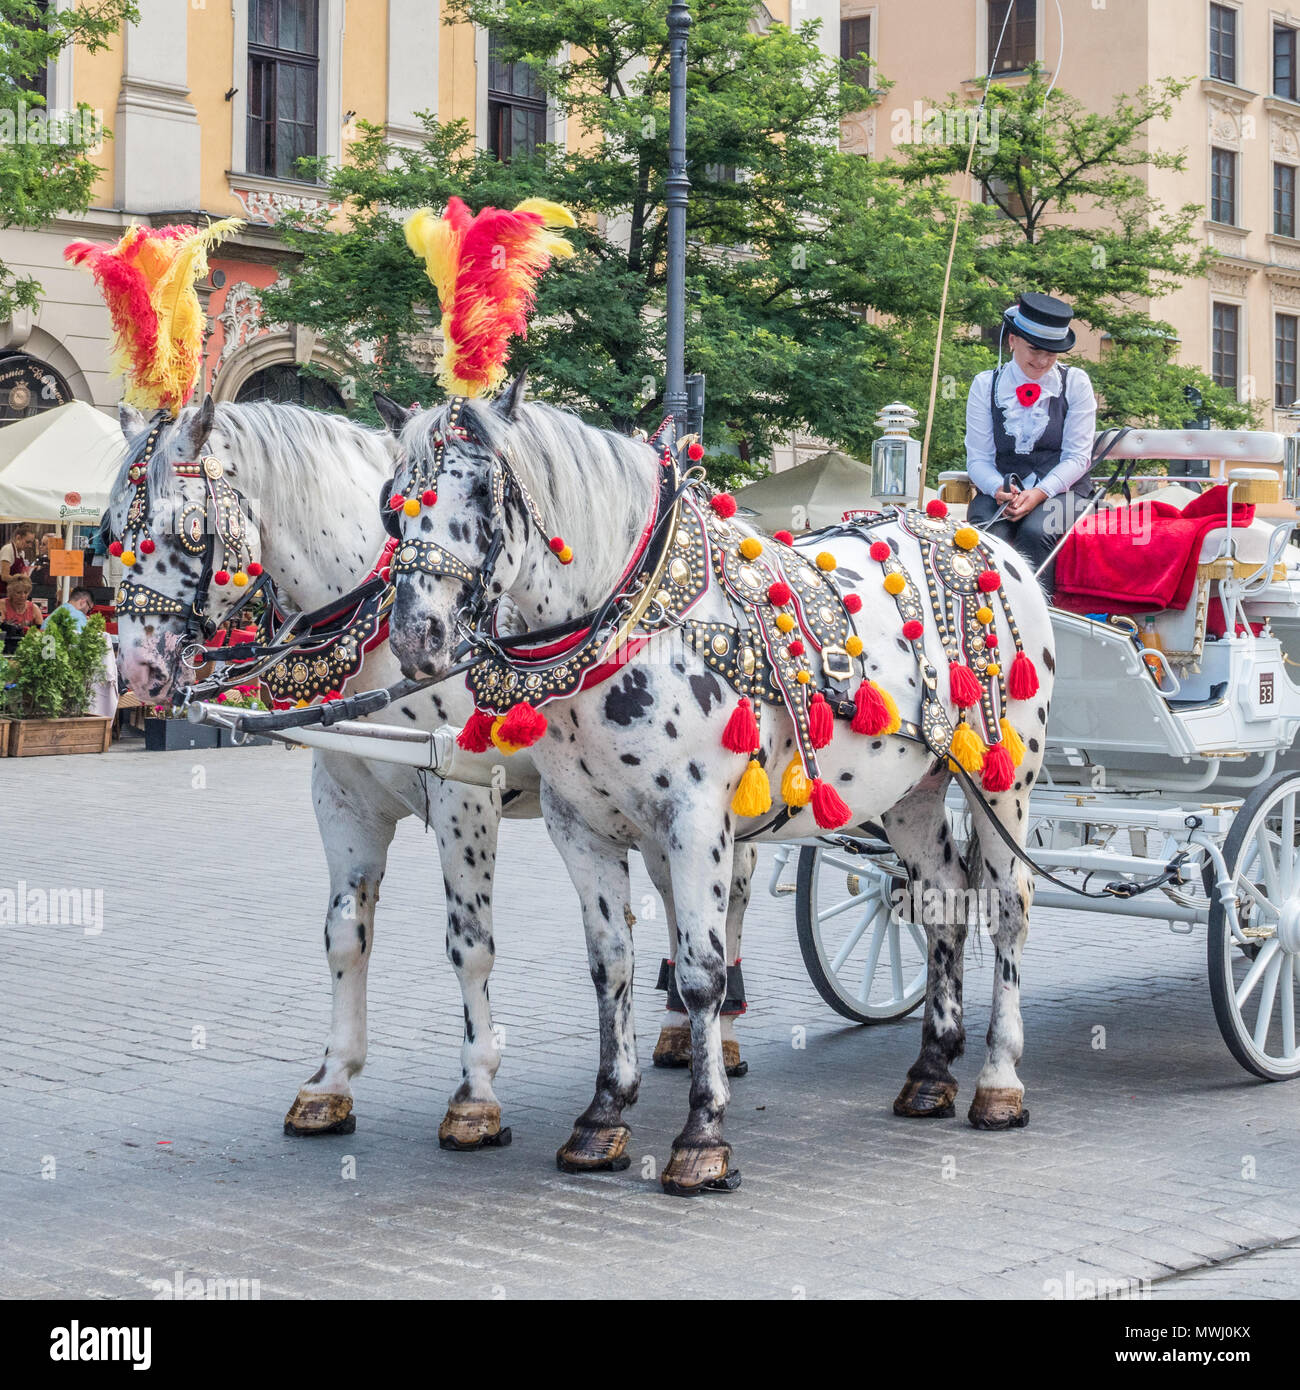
<point x="896" y="456"/>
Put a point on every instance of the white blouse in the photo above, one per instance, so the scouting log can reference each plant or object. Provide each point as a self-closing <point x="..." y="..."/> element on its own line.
<point x="1026" y="426"/>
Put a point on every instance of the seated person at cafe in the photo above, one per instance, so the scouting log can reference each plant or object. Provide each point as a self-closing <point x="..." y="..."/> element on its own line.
<point x="80" y="602"/>
<point x="18" y="611"/>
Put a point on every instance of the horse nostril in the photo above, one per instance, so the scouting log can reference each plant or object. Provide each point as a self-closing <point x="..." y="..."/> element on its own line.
<point x="437" y="633"/>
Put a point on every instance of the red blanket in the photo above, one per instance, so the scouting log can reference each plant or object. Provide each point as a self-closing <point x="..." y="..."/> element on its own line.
<point x="1140" y="558"/>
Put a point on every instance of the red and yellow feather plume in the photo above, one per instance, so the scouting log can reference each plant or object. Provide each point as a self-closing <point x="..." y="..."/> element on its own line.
<point x="485" y="269"/>
<point x="147" y="281"/>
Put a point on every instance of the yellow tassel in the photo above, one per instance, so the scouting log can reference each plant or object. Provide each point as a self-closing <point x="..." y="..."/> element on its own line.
<point x="1012" y="741"/>
<point x="796" y="789"/>
<point x="754" y="795"/>
<point x="967" y="748"/>
<point x="506" y="748"/>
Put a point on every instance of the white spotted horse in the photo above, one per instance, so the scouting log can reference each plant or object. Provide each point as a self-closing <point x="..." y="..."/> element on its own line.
<point x="862" y="666"/>
<point x="230" y="499"/>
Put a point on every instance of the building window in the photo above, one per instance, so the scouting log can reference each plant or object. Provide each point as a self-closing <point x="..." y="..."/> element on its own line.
<point x="1284" y="360"/>
<point x="1284" y="200"/>
<point x="284" y="383"/>
<point x="38" y="83"/>
<point x="855" y="49"/>
<point x="1223" y="187"/>
<point x="283" y="76"/>
<point x="1284" y="61"/>
<point x="1223" y="43"/>
<point x="1020" y="41"/>
<point x="516" y="106"/>
<point x="1224" y="367"/>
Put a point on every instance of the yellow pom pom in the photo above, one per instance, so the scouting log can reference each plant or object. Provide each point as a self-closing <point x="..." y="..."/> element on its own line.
<point x="796" y="789"/>
<point x="565" y="555"/>
<point x="751" y="547"/>
<point x="127" y="557"/>
<point x="967" y="537"/>
<point x="784" y="622"/>
<point x="967" y="748"/>
<point x="826" y="561"/>
<point x="506" y="748"/>
<point x="803" y="677"/>
<point x="754" y="795"/>
<point x="984" y="615"/>
<point x="853" y="645"/>
<point x="992" y="669"/>
<point x="895" y="719"/>
<point x="1012" y="741"/>
<point x="302" y="704"/>
<point x="895" y="584"/>
<point x="411" y="506"/>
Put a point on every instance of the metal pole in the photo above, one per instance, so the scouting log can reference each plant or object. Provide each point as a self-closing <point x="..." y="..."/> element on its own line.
<point x="678" y="187"/>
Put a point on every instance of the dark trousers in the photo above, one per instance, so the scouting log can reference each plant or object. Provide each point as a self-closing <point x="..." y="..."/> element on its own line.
<point x="1034" y="536"/>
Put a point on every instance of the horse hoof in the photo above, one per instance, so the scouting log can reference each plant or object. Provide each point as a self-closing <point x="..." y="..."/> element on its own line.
<point x="926" y="1100"/>
<point x="325" y="1113"/>
<point x="690" y="1171"/>
<point x="598" y="1150"/>
<point x="473" y="1124"/>
<point x="674" y="1047"/>
<point x="731" y="1058"/>
<point x="998" y="1108"/>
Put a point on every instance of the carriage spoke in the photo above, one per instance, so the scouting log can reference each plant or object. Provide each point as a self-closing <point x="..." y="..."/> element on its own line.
<point x="869" y="969"/>
<point x="854" y="937"/>
<point x="1267" y="995"/>
<point x="1286" y="848"/>
<point x="1265" y="902"/>
<point x="1269" y="863"/>
<point x="1288" y="1009"/>
<point x="895" y="958"/>
<point x="854" y="900"/>
<point x="1266" y="953"/>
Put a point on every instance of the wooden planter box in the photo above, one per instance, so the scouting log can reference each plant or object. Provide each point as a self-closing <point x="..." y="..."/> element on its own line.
<point x="167" y="735"/>
<point x="36" y="738"/>
<point x="4" y="738"/>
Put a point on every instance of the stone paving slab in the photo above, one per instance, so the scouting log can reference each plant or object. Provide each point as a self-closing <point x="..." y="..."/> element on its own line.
<point x="167" y="1157"/>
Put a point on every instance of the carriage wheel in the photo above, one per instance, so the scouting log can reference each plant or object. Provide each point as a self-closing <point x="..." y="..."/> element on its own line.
<point x="866" y="964"/>
<point x="1255" y="974"/>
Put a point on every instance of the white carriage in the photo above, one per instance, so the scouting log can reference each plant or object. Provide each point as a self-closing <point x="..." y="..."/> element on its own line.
<point x="1171" y="782"/>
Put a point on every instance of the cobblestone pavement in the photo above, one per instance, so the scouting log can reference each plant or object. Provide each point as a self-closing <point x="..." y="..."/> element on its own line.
<point x="1154" y="1155"/>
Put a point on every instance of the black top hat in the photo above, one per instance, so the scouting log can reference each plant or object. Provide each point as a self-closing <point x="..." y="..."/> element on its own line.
<point x="1043" y="322"/>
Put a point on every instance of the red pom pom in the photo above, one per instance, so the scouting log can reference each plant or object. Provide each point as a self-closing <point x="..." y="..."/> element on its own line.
<point x="873" y="715"/>
<point x="557" y="544"/>
<point x="523" y="726"/>
<point x="723" y="503"/>
<point x="396" y="502"/>
<point x="778" y="593"/>
<point x="913" y="629"/>
<point x="999" y="771"/>
<point x="963" y="686"/>
<point x="476" y="736"/>
<point x="821" y="721"/>
<point x="828" y="807"/>
<point x="115" y="548"/>
<point x="221" y="577"/>
<point x="783" y="536"/>
<point x="853" y="603"/>
<point x="989" y="580"/>
<point x="695" y="451"/>
<point x="795" y="648"/>
<point x="1022" y="679"/>
<point x="880" y="551"/>
<point x="936" y="507"/>
<point x="991" y="640"/>
<point x="254" y="569"/>
<point x="428" y="497"/>
<point x="147" y="546"/>
<point x="741" y="733"/>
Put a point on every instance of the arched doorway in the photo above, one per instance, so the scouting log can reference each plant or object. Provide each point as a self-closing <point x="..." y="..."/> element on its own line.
<point x="283" y="383"/>
<point x="29" y="386"/>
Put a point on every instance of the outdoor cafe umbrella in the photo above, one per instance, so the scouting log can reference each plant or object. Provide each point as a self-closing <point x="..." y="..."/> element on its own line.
<point x="814" y="494"/>
<point x="59" y="466"/>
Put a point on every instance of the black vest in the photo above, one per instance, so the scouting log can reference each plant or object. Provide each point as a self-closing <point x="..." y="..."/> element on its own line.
<point x="1046" y="454"/>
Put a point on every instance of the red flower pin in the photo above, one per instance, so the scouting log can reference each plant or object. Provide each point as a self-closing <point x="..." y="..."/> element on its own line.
<point x="1028" y="392"/>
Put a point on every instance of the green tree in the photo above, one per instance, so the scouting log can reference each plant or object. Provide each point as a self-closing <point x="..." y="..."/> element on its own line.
<point x="1043" y="158"/>
<point x="47" y="159"/>
<point x="813" y="275"/>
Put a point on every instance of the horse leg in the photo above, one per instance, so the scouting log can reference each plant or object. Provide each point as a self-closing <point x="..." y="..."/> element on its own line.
<point x="999" y="1092"/>
<point x="466" y="822"/>
<point x="356" y="848"/>
<point x="919" y="833"/>
<point x="599" y="872"/>
<point x="701" y="1158"/>
<point x="673" y="1049"/>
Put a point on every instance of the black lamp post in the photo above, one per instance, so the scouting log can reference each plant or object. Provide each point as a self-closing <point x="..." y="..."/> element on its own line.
<point x="677" y="186"/>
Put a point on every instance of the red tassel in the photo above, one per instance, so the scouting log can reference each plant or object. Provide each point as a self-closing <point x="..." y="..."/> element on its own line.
<point x="999" y="771"/>
<point x="523" y="726"/>
<point x="828" y="807"/>
<point x="741" y="733"/>
<point x="821" y="721"/>
<point x="476" y="736"/>
<point x="873" y="715"/>
<point x="963" y="686"/>
<point x="1022" y="679"/>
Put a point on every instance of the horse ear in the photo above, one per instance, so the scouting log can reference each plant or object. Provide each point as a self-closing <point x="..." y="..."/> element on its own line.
<point x="129" y="418"/>
<point x="509" y="401"/>
<point x="393" y="415"/>
<point x="195" y="433"/>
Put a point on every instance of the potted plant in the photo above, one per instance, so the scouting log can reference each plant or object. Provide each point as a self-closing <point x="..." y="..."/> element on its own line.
<point x="47" y="685"/>
<point x="246" y="697"/>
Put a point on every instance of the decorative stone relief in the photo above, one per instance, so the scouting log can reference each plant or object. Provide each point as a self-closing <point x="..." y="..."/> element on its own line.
<point x="1284" y="136"/>
<point x="1228" y="280"/>
<point x="266" y="206"/>
<point x="858" y="133"/>
<point x="241" y="317"/>
<point x="1228" y="243"/>
<point x="1225" y="121"/>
